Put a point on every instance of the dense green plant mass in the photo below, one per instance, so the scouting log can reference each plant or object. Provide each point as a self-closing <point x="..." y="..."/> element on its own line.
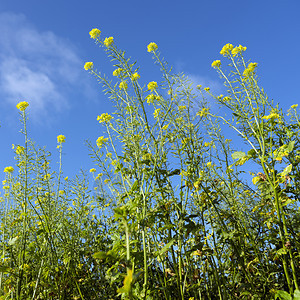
<point x="171" y="215"/>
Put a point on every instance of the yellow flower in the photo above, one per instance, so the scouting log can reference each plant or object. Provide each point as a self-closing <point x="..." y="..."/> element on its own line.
<point x="181" y="107"/>
<point x="294" y="106"/>
<point x="61" y="192"/>
<point x="108" y="41"/>
<point x="66" y="178"/>
<point x="88" y="65"/>
<point x="237" y="50"/>
<point x="250" y="69"/>
<point x="216" y="64"/>
<point x="61" y="139"/>
<point x="209" y="164"/>
<point x="95" y="33"/>
<point x="101" y="140"/>
<point x="47" y="177"/>
<point x="226" y="50"/>
<point x="199" y="86"/>
<point x="123" y="85"/>
<point x="117" y="72"/>
<point x="271" y="116"/>
<point x="203" y="112"/>
<point x="22" y="105"/>
<point x="156" y="113"/>
<point x="104" y="118"/>
<point x="151" y="47"/>
<point x="207" y="89"/>
<point x="135" y="76"/>
<point x="8" y="169"/>
<point x="20" y="150"/>
<point x="152" y="85"/>
<point x="150" y="98"/>
<point x="93" y="170"/>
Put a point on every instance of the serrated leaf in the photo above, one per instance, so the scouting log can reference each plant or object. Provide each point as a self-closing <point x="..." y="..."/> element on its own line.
<point x="238" y="155"/>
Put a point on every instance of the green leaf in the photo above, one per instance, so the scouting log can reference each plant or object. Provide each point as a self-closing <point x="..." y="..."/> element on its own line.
<point x="165" y="248"/>
<point x="12" y="241"/>
<point x="290" y="146"/>
<point x="297" y="295"/>
<point x="100" y="255"/>
<point x="134" y="186"/>
<point x="283" y="295"/>
<point x="287" y="170"/>
<point x="238" y="155"/>
<point x="127" y="283"/>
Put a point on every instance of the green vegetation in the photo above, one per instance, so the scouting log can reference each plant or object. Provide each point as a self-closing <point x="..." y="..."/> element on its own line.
<point x="173" y="214"/>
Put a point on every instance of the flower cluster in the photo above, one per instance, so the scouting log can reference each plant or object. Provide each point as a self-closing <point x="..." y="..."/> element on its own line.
<point x="151" y="47"/>
<point x="135" y="76"/>
<point x="104" y="118"/>
<point x="20" y="150"/>
<point x="150" y="98"/>
<point x="203" y="112"/>
<point x="271" y="116"/>
<point x="117" y="72"/>
<point x="61" y="139"/>
<point x="88" y="65"/>
<point x="216" y="64"/>
<point x="101" y="141"/>
<point x="22" y="105"/>
<point x="108" y="41"/>
<point x="123" y="85"/>
<point x="8" y="169"/>
<point x="156" y="113"/>
<point x="226" y="50"/>
<point x="95" y="33"/>
<point x="250" y="69"/>
<point x="152" y="85"/>
<point x="237" y="50"/>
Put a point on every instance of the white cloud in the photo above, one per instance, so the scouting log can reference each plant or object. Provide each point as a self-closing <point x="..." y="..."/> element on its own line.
<point x="36" y="66"/>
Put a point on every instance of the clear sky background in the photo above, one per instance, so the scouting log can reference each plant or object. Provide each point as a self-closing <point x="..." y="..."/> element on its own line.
<point x="44" y="45"/>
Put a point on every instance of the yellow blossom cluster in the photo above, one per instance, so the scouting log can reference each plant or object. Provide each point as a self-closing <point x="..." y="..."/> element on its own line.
<point x="88" y="65"/>
<point x="117" y="72"/>
<point x="61" y="139"/>
<point x="156" y="113"/>
<point x="207" y="89"/>
<point x="93" y="170"/>
<point x="108" y="41"/>
<point x="101" y="141"/>
<point x="8" y="169"/>
<point x="95" y="33"/>
<point x="20" y="150"/>
<point x="152" y="85"/>
<point x="104" y="118"/>
<point x="271" y="116"/>
<point x="203" y="112"/>
<point x="150" y="98"/>
<point x="22" y="105"/>
<point x="239" y="49"/>
<point x="135" y="76"/>
<point x="151" y="47"/>
<point x="123" y="85"/>
<point x="226" y="50"/>
<point x="250" y="69"/>
<point x="216" y="64"/>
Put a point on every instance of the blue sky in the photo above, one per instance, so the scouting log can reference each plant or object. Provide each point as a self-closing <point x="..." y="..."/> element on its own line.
<point x="44" y="45"/>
